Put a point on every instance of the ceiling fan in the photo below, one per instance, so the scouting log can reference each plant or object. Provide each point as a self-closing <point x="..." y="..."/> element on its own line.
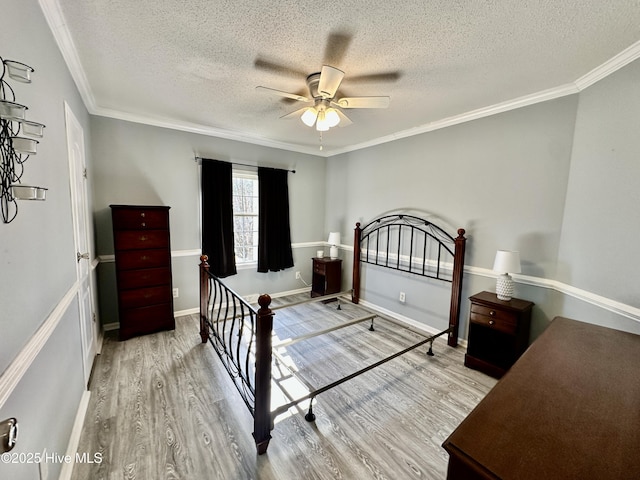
<point x="325" y="109"/>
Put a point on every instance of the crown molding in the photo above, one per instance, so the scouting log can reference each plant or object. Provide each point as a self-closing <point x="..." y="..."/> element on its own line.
<point x="57" y="24"/>
<point x="612" y="65"/>
<point x="202" y="130"/>
<point x="524" y="101"/>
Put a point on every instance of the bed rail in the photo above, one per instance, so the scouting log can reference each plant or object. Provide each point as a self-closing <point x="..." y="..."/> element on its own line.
<point x="241" y="336"/>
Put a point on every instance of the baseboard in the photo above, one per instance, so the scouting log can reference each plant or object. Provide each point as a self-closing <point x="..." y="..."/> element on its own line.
<point x="254" y="298"/>
<point x="108" y="327"/>
<point x="74" y="439"/>
<point x="99" y="341"/>
<point x="427" y="329"/>
<point x="189" y="311"/>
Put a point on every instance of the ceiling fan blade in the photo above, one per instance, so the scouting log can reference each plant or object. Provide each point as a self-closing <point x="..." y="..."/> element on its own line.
<point x="391" y="76"/>
<point x="293" y="96"/>
<point x="273" y="66"/>
<point x="294" y="114"/>
<point x="344" y="120"/>
<point x="330" y="79"/>
<point x="364" y="102"/>
<point x="337" y="46"/>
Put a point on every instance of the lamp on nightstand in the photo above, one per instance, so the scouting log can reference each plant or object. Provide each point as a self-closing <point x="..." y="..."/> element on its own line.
<point x="334" y="241"/>
<point x="506" y="262"/>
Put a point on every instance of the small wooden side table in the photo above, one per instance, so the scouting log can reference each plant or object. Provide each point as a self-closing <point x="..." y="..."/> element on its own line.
<point x="327" y="276"/>
<point x="498" y="333"/>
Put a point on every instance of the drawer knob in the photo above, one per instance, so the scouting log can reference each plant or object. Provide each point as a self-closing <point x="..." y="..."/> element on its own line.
<point x="142" y="215"/>
<point x="491" y="322"/>
<point x="144" y="224"/>
<point x="143" y="238"/>
<point x="492" y="313"/>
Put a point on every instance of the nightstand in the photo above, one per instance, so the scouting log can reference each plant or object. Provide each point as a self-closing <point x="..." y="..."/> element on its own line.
<point x="498" y="333"/>
<point x="327" y="276"/>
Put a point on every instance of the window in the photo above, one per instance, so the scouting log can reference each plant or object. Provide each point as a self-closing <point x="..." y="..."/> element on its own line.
<point x="245" y="216"/>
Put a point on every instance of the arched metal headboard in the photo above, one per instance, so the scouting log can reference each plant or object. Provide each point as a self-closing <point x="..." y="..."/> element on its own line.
<point x="413" y="245"/>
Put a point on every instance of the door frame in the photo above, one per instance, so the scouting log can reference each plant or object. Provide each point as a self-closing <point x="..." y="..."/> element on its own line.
<point x="82" y="236"/>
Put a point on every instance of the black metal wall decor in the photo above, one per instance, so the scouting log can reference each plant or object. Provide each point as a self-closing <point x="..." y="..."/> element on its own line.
<point x="17" y="142"/>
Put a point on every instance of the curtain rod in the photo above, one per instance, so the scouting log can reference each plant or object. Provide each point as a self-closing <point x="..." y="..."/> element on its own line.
<point x="199" y="159"/>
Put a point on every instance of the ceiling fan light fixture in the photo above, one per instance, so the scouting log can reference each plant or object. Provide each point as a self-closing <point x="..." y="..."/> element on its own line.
<point x="323" y="88"/>
<point x="309" y="116"/>
<point x="332" y="117"/>
<point x="322" y="125"/>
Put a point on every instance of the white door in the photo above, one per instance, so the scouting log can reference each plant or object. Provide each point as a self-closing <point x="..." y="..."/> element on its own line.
<point x="78" y="179"/>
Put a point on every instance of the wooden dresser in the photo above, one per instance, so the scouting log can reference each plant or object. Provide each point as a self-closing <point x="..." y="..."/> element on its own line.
<point x="568" y="409"/>
<point x="143" y="269"/>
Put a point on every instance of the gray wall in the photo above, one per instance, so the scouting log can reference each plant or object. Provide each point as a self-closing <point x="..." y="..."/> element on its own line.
<point x="556" y="181"/>
<point x="37" y="254"/>
<point x="599" y="247"/>
<point x="503" y="178"/>
<point x="140" y="164"/>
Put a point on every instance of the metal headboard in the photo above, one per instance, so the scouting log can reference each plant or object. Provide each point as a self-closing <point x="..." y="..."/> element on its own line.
<point x="414" y="245"/>
<point x="409" y="244"/>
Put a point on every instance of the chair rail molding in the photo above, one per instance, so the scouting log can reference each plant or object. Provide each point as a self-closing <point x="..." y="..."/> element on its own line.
<point x="16" y="370"/>
<point x="600" y="301"/>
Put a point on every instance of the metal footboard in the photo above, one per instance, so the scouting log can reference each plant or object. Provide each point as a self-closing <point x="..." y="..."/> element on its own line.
<point x="241" y="337"/>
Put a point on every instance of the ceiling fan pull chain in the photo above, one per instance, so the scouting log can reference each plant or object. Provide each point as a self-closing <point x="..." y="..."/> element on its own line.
<point x="320" y="140"/>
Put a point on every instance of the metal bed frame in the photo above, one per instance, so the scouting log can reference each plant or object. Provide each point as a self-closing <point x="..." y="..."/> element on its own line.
<point x="242" y="336"/>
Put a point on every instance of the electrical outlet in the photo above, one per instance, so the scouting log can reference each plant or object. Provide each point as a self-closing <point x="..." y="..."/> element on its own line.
<point x="176" y="293"/>
<point x="297" y="275"/>
<point x="402" y="297"/>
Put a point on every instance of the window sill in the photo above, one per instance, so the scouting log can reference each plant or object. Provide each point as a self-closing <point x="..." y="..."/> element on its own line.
<point x="246" y="266"/>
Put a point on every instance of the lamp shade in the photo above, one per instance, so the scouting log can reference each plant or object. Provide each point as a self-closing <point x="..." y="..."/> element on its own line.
<point x="309" y="116"/>
<point x="507" y="262"/>
<point x="322" y="125"/>
<point x="332" y="117"/>
<point x="334" y="238"/>
<point x="334" y="241"/>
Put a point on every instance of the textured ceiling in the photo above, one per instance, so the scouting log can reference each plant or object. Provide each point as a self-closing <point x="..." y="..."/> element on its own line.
<point x="195" y="64"/>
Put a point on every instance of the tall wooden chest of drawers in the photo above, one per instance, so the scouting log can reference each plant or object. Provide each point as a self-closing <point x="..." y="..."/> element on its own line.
<point x="143" y="269"/>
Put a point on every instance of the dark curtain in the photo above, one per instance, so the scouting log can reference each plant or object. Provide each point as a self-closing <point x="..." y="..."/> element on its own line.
<point x="217" y="217"/>
<point x="274" y="236"/>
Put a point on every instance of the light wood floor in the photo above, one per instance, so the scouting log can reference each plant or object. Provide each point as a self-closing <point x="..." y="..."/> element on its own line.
<point x="162" y="407"/>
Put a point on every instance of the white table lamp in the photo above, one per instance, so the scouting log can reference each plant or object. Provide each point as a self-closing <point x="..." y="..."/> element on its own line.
<point x="506" y="262"/>
<point x="334" y="241"/>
